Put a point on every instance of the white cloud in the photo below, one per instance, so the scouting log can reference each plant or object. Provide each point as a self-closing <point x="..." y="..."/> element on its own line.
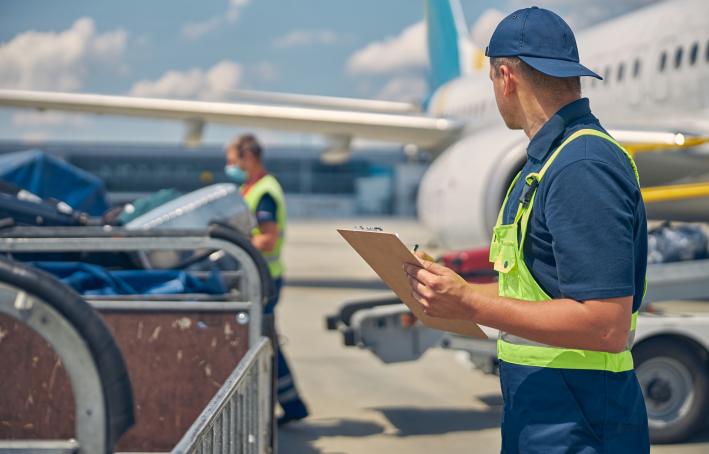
<point x="58" y="60"/>
<point x="234" y="11"/>
<point x="400" y="53"/>
<point x="308" y="38"/>
<point x="403" y="57"/>
<point x="264" y="71"/>
<point x="196" y="83"/>
<point x="404" y="88"/>
<point x="484" y="26"/>
<point x="193" y="31"/>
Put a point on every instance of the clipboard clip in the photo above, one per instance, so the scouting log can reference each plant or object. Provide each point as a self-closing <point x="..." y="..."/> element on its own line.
<point x="368" y="228"/>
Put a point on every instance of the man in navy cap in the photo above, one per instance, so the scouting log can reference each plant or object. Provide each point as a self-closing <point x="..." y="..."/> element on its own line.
<point x="570" y="248"/>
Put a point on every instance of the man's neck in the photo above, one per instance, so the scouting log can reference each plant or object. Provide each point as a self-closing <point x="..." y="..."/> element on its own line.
<point x="257" y="174"/>
<point x="538" y="110"/>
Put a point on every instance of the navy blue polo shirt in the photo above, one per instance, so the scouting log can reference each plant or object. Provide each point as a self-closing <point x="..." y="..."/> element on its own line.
<point x="266" y="209"/>
<point x="587" y="234"/>
<point x="586" y="239"/>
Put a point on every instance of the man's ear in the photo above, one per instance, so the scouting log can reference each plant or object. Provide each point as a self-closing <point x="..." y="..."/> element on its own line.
<point x="509" y="81"/>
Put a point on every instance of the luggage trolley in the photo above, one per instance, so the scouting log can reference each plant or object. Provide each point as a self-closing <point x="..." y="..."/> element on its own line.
<point x="177" y="350"/>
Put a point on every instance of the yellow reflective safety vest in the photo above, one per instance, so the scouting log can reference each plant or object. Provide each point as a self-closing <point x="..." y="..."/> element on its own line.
<point x="516" y="281"/>
<point x="269" y="185"/>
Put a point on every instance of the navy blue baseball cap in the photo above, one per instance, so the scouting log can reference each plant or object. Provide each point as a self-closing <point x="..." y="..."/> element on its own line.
<point x="541" y="39"/>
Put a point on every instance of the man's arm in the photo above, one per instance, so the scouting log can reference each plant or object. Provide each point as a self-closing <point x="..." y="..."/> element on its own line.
<point x="600" y="325"/>
<point x="589" y="208"/>
<point x="267" y="224"/>
<point x="266" y="240"/>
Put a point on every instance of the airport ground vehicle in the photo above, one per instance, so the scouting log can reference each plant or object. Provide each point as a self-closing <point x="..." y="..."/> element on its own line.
<point x="671" y="352"/>
<point x="167" y="360"/>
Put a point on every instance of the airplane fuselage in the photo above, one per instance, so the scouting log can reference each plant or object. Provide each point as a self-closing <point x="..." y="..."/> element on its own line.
<point x="655" y="64"/>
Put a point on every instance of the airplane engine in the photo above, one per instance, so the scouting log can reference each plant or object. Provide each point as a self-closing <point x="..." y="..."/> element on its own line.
<point x="461" y="193"/>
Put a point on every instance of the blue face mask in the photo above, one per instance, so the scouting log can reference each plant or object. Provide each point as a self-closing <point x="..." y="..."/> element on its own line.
<point x="236" y="174"/>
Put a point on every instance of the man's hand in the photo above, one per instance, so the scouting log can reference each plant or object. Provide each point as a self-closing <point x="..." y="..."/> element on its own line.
<point x="440" y="291"/>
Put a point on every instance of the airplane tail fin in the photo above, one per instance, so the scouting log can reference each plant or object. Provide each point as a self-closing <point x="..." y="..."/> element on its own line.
<point x="449" y="47"/>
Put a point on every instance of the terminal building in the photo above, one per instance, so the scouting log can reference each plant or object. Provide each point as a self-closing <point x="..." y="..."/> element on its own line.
<point x="373" y="182"/>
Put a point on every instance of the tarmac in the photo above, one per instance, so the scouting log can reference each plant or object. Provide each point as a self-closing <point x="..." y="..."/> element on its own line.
<point x="357" y="403"/>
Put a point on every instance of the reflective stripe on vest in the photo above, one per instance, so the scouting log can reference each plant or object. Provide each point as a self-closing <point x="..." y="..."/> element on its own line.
<point x="516" y="281"/>
<point x="269" y="185"/>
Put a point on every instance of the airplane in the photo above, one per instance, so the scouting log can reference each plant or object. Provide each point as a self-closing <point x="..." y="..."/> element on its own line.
<point x="654" y="98"/>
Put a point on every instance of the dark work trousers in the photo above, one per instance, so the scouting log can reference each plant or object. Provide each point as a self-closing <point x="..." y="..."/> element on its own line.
<point x="287" y="393"/>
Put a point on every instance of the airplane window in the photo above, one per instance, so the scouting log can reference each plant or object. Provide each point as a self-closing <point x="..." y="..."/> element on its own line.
<point x="663" y="60"/>
<point x="706" y="56"/>
<point x="606" y="75"/>
<point x="678" y="57"/>
<point x="621" y="69"/>
<point x="693" y="53"/>
<point x="636" y="68"/>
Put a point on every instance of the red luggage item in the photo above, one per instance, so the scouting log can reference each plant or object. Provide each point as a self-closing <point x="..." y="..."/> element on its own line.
<point x="474" y="265"/>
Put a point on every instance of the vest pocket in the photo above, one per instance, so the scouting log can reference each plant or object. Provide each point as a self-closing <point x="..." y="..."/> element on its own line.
<point x="503" y="250"/>
<point x="506" y="258"/>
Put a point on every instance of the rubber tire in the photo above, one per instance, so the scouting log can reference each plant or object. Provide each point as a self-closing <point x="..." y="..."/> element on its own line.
<point x="224" y="232"/>
<point x="117" y="391"/>
<point x="690" y="358"/>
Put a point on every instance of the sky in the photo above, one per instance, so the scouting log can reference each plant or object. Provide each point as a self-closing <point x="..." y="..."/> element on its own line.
<point x="204" y="50"/>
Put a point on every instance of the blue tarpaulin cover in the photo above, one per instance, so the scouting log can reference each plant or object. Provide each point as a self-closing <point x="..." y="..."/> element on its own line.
<point x="90" y="280"/>
<point x="48" y="176"/>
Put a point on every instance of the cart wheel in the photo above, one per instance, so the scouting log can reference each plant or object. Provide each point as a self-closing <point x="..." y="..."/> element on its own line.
<point x="675" y="382"/>
<point x="224" y="232"/>
<point x="118" y="394"/>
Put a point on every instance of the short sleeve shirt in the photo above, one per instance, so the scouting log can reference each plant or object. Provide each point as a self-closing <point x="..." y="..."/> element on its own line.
<point x="587" y="234"/>
<point x="266" y="209"/>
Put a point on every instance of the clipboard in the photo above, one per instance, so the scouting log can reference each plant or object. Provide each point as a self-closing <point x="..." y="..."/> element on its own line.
<point x="386" y="254"/>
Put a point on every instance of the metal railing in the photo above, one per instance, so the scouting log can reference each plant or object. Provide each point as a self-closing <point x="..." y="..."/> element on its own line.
<point x="237" y="419"/>
<point x="250" y="289"/>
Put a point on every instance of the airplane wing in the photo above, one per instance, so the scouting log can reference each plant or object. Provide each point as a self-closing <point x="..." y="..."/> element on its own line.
<point x="673" y="169"/>
<point x="423" y="131"/>
<point x="637" y="141"/>
<point x="328" y="102"/>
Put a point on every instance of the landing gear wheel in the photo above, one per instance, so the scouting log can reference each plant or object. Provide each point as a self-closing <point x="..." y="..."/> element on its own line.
<point x="675" y="382"/>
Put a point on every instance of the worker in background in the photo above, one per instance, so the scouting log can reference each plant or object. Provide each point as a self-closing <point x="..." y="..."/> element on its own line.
<point x="570" y="249"/>
<point x="264" y="196"/>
